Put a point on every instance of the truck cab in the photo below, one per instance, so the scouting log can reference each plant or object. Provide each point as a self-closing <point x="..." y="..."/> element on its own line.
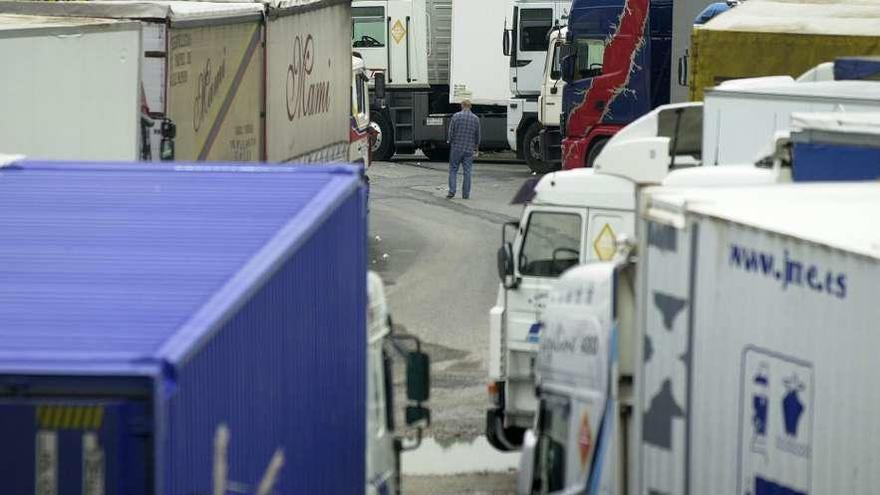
<point x="385" y="439"/>
<point x="573" y="217"/>
<point x="359" y="134"/>
<point x="525" y="43"/>
<point x="549" y="141"/>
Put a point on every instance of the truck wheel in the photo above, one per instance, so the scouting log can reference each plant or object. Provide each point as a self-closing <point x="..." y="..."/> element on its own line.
<point x="531" y="150"/>
<point x="382" y="145"/>
<point x="595" y="149"/>
<point x="503" y="439"/>
<point x="437" y="154"/>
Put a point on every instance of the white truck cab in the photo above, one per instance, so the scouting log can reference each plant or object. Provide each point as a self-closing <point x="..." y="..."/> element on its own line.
<point x="574" y="217"/>
<point x="384" y="440"/>
<point x="359" y="134"/>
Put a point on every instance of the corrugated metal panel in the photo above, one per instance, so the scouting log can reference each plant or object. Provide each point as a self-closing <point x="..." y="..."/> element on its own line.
<point x="303" y="393"/>
<point x="104" y="263"/>
<point x="439" y="40"/>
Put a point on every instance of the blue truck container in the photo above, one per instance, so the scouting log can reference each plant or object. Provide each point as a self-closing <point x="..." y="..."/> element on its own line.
<point x="836" y="146"/>
<point x="182" y="329"/>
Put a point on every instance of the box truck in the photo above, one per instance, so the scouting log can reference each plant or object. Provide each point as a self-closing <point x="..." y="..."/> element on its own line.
<point x="71" y="87"/>
<point x="237" y="81"/>
<point x="779" y="38"/>
<point x="190" y="329"/>
<point x="745" y="285"/>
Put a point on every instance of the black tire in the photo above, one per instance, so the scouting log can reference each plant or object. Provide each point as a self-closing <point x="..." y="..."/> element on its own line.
<point x="595" y="149"/>
<point x="501" y="438"/>
<point x="383" y="146"/>
<point x="531" y="151"/>
<point x="437" y="154"/>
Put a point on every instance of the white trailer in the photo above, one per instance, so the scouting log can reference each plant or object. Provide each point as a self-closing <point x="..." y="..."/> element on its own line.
<point x="202" y="73"/>
<point x="70" y="87"/>
<point x="764" y="106"/>
<point x="758" y="307"/>
<point x="308" y="74"/>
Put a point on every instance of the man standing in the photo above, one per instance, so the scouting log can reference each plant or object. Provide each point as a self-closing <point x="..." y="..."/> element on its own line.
<point x="464" y="141"/>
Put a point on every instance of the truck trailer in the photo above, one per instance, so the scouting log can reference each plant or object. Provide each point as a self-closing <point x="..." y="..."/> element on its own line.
<point x="235" y="81"/>
<point x="772" y="38"/>
<point x="189" y="329"/>
<point x="751" y="282"/>
<point x="71" y="87"/>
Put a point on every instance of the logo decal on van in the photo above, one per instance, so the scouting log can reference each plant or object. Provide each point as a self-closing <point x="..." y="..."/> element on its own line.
<point x="305" y="96"/>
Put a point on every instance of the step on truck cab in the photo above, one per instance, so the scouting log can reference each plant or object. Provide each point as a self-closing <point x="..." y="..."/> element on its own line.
<point x="573" y="217"/>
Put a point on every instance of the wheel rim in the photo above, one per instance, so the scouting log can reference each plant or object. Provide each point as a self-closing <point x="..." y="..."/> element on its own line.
<point x="535" y="148"/>
<point x="377" y="139"/>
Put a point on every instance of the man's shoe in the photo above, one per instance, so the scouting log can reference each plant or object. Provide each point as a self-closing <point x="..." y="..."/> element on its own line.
<point x="465" y="197"/>
<point x="450" y="195"/>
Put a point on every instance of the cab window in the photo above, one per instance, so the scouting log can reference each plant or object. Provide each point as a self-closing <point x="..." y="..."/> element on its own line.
<point x="555" y="69"/>
<point x="590" y="56"/>
<point x="534" y="26"/>
<point x="550" y="452"/>
<point x="360" y="95"/>
<point x="368" y="27"/>
<point x="551" y="244"/>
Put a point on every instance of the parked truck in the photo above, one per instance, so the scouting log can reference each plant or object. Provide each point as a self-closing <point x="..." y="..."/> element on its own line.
<point x="59" y="99"/>
<point x="779" y="38"/>
<point x="848" y="141"/>
<point x="574" y="216"/>
<point x="235" y="81"/>
<point x="177" y="335"/>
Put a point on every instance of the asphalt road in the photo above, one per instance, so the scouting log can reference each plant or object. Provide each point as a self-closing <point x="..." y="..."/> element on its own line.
<point x="437" y="258"/>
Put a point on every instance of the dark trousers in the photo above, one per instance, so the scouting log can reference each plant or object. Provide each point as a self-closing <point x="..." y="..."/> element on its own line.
<point x="465" y="159"/>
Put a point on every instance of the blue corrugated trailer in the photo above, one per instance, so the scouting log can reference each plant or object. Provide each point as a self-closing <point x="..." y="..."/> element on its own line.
<point x="835" y="146"/>
<point x="183" y="329"/>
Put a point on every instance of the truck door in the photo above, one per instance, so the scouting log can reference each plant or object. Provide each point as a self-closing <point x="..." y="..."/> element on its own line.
<point x="550" y="101"/>
<point x="369" y="35"/>
<point x="533" y="22"/>
<point x="550" y="241"/>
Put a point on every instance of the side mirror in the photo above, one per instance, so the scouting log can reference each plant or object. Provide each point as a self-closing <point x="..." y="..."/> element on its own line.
<point x="418" y="387"/>
<point x="505" y="42"/>
<point x="568" y="64"/>
<point x="505" y="264"/>
<point x="379" y="85"/>
<point x="526" y="463"/>
<point x="418" y="376"/>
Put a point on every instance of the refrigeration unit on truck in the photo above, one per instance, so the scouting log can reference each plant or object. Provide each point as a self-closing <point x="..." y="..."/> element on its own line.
<point x="771" y="296"/>
<point x="766" y="38"/>
<point x="70" y="87"/>
<point x="236" y="81"/>
<point x="193" y="329"/>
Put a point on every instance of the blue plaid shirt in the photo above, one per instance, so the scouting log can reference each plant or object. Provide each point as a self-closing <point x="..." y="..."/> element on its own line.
<point x="464" y="132"/>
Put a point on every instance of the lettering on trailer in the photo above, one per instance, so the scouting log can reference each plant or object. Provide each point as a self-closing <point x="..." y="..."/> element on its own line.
<point x="595" y="105"/>
<point x="208" y="84"/>
<point x="775" y="424"/>
<point x="46" y="472"/>
<point x="92" y="465"/>
<point x="791" y="272"/>
<point x="305" y="97"/>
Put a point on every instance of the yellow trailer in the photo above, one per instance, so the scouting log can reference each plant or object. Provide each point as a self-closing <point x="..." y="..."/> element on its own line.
<point x="769" y="38"/>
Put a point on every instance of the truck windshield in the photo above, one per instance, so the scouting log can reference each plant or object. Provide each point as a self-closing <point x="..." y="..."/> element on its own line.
<point x="551" y="245"/>
<point x="534" y="26"/>
<point x="368" y="27"/>
<point x="550" y="455"/>
<point x="590" y="56"/>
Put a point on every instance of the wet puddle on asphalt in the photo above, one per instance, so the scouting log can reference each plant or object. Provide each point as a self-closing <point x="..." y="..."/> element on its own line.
<point x="461" y="457"/>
